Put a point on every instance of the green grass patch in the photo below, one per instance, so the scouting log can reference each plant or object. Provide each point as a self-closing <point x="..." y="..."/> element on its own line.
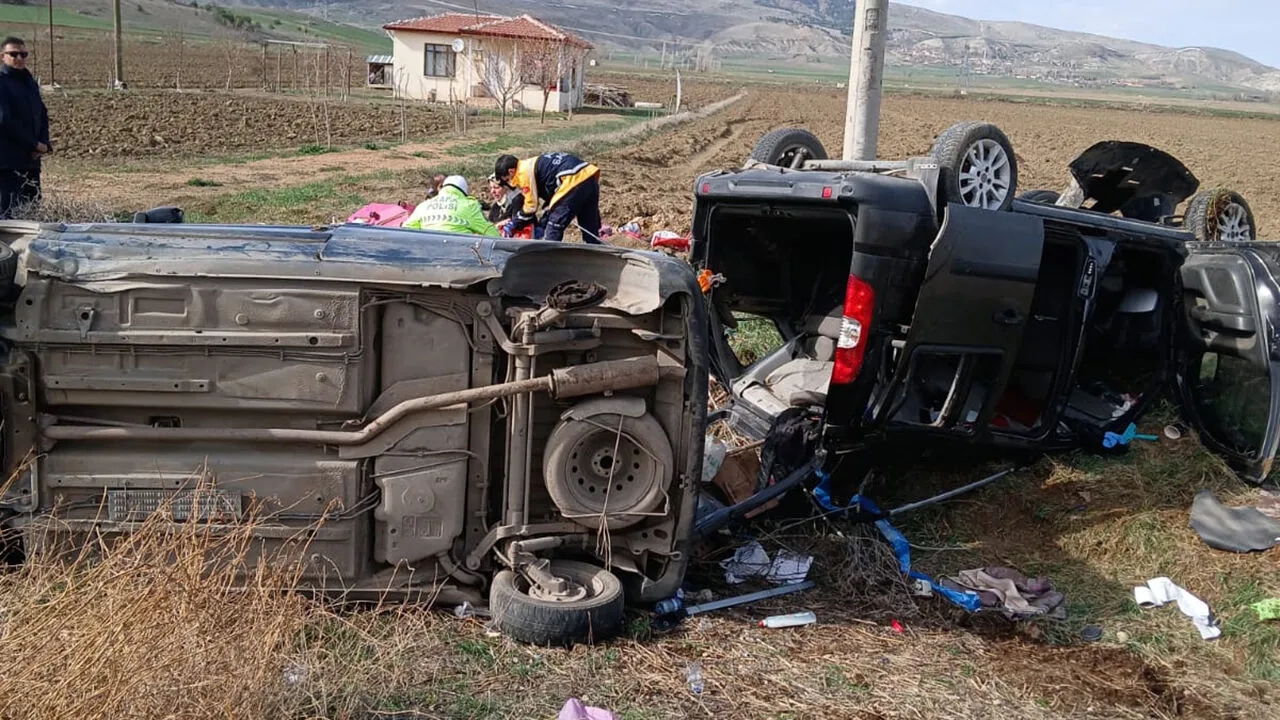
<point x="315" y="149"/>
<point x="754" y="338"/>
<point x="509" y="141"/>
<point x="39" y="15"/>
<point x="299" y="204"/>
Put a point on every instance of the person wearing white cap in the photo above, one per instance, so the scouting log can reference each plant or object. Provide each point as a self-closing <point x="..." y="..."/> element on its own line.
<point x="452" y="210"/>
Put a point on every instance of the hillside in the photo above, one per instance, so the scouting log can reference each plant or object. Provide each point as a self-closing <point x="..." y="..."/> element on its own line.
<point x="813" y="30"/>
<point x="774" y="31"/>
<point x="192" y="18"/>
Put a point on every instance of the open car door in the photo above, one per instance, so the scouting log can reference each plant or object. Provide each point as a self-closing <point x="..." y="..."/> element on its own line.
<point x="1228" y="377"/>
<point x="968" y="324"/>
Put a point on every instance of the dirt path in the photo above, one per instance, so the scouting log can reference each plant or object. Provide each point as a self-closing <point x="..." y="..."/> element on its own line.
<point x="157" y="187"/>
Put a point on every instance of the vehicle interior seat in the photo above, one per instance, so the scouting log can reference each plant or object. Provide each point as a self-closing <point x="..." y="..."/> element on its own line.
<point x="799" y="372"/>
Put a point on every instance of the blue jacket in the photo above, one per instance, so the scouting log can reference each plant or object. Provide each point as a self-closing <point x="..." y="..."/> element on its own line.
<point x="24" y="120"/>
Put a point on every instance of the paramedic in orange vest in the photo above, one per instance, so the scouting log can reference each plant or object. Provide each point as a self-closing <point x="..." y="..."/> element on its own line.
<point x="569" y="185"/>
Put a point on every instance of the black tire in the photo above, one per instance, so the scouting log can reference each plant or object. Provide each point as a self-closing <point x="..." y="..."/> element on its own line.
<point x="537" y="621"/>
<point x="951" y="151"/>
<point x="788" y="147"/>
<point x="1044" y="197"/>
<point x="1220" y="215"/>
<point x="8" y="269"/>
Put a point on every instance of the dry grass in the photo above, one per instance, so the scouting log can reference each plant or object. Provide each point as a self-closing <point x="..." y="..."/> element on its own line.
<point x="155" y="628"/>
<point x="64" y="207"/>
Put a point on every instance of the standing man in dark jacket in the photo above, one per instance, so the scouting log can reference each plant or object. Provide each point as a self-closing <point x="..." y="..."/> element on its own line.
<point x="24" y="129"/>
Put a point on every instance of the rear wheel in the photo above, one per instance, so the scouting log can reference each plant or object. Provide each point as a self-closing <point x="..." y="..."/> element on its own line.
<point x="1220" y="215"/>
<point x="978" y="164"/>
<point x="788" y="147"/>
<point x="589" y="610"/>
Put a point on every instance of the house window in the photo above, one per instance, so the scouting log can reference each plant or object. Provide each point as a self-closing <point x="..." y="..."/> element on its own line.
<point x="440" y="61"/>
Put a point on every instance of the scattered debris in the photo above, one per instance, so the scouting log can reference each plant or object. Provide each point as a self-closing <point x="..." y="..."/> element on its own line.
<point x="672" y="611"/>
<point x="1240" y="530"/>
<point x="1269" y="504"/>
<point x="1015" y="595"/>
<point x="896" y="540"/>
<point x="1110" y="439"/>
<point x="574" y="710"/>
<point x="790" y="620"/>
<point x="693" y="676"/>
<point x="1268" y="609"/>
<point x="1160" y="591"/>
<point x="751" y="561"/>
<point x="712" y="458"/>
<point x="608" y="96"/>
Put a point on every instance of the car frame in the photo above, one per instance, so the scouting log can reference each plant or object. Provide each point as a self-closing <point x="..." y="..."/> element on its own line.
<point x="412" y="414"/>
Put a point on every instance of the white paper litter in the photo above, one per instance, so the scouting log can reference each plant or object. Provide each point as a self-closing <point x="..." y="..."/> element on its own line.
<point x="751" y="561"/>
<point x="1161" y="591"/>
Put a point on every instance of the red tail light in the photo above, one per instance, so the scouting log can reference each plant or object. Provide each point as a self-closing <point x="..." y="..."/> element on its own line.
<point x="851" y="347"/>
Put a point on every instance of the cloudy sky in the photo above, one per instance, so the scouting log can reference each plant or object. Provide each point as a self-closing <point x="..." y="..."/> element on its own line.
<point x="1246" y="26"/>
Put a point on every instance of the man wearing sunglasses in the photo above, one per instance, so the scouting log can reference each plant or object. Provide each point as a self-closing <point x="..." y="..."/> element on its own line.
<point x="24" y="129"/>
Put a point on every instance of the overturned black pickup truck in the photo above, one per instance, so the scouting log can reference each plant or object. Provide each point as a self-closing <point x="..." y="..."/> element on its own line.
<point x="920" y="303"/>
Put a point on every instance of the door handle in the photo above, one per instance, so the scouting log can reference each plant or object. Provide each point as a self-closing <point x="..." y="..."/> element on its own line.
<point x="1008" y="316"/>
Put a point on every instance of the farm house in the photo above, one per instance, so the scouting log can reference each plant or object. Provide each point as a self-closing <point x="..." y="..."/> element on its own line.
<point x="457" y="57"/>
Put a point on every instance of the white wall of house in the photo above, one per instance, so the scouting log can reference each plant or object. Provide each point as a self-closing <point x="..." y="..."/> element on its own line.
<point x="467" y="82"/>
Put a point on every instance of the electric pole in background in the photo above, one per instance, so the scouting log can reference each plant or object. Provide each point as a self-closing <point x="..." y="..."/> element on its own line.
<point x="51" y="79"/>
<point x="119" y="45"/>
<point x="866" y="80"/>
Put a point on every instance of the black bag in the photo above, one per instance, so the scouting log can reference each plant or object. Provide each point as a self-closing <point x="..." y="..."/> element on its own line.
<point x="790" y="444"/>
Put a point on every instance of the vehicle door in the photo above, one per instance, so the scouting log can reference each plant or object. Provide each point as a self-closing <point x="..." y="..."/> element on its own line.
<point x="1228" y="374"/>
<point x="973" y="306"/>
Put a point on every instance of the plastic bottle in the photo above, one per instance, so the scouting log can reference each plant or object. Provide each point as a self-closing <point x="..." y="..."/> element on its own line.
<point x="693" y="674"/>
<point x="670" y="605"/>
<point x="712" y="459"/>
<point x="791" y="620"/>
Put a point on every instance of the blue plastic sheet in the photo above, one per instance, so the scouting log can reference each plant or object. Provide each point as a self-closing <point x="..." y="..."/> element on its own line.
<point x="901" y="548"/>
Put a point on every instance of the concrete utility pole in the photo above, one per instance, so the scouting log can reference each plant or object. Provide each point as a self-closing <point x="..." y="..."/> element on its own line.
<point x="115" y="13"/>
<point x="866" y="79"/>
<point x="52" y="81"/>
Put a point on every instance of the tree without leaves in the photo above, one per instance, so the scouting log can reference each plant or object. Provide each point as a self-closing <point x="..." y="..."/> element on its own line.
<point x="540" y="67"/>
<point x="500" y="76"/>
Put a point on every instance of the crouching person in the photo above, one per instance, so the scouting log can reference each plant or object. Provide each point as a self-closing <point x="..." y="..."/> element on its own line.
<point x="568" y="186"/>
<point x="452" y="210"/>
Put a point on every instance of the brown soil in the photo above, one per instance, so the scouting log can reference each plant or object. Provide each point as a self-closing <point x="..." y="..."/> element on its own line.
<point x="655" y="179"/>
<point x="198" y="124"/>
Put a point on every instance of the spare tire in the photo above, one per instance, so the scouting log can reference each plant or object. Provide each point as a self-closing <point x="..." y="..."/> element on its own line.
<point x="1220" y="215"/>
<point x="1044" y="197"/>
<point x="788" y="147"/>
<point x="978" y="166"/>
<point x="519" y="613"/>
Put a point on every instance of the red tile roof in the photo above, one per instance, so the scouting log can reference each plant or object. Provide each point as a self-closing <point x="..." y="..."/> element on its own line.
<point x="446" y="23"/>
<point x="524" y="27"/>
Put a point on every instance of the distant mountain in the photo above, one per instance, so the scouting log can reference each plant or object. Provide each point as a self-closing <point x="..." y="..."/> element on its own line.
<point x="808" y="30"/>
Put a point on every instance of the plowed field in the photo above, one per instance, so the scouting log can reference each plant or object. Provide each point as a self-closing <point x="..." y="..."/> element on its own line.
<point x="655" y="179"/>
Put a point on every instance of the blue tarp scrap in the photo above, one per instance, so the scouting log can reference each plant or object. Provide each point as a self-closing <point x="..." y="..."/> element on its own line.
<point x="967" y="600"/>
